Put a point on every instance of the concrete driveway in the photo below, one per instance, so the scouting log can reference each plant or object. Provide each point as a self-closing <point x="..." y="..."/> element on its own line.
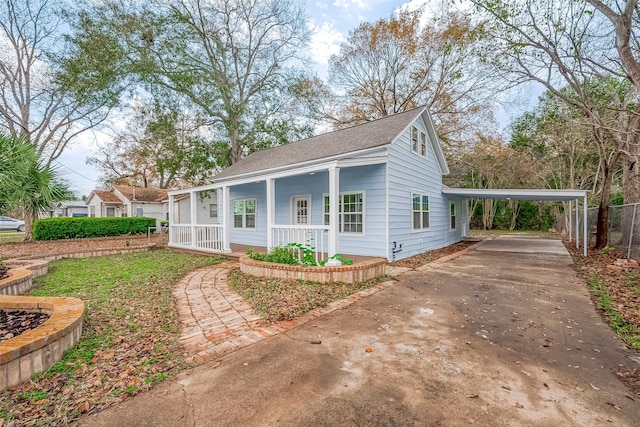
<point x="504" y="335"/>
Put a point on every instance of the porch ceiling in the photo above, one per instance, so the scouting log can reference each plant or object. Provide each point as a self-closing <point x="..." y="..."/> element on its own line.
<point x="516" y="193"/>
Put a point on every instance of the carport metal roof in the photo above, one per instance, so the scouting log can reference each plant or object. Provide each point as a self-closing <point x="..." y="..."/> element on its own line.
<point x="516" y="194"/>
<point x="531" y="194"/>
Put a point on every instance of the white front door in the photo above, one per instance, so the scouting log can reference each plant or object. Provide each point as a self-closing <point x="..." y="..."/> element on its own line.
<point x="300" y="215"/>
<point x="301" y="210"/>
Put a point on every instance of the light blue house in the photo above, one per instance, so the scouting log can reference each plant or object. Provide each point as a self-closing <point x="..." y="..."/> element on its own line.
<point x="373" y="190"/>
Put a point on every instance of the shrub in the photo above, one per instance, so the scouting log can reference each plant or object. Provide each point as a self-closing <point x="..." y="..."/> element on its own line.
<point x="294" y="254"/>
<point x="278" y="255"/>
<point x="73" y="228"/>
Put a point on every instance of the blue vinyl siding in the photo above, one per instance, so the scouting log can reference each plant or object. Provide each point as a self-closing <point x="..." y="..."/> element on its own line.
<point x="366" y="179"/>
<point x="409" y="173"/>
<point x="255" y="236"/>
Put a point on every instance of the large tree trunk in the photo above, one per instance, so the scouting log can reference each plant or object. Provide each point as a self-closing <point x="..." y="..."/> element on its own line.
<point x="602" y="225"/>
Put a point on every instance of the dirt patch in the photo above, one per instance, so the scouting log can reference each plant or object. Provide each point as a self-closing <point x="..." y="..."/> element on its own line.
<point x="427" y="257"/>
<point x="281" y="299"/>
<point x="59" y="247"/>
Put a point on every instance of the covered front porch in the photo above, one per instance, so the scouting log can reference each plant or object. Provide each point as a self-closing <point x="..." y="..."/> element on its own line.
<point x="306" y="205"/>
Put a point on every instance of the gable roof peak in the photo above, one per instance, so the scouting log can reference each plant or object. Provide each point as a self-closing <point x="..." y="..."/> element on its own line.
<point x="373" y="134"/>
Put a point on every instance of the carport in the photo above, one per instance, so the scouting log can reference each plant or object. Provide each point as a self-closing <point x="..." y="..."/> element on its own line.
<point x="526" y="194"/>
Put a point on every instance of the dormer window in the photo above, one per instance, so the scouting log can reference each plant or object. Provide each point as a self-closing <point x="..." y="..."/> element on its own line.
<point x="418" y="141"/>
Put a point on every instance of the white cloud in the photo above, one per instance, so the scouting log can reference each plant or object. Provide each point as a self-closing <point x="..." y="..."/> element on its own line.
<point x="325" y="41"/>
<point x="351" y="4"/>
<point x="321" y="5"/>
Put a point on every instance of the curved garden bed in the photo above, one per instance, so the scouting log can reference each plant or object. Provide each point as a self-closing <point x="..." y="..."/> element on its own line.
<point x="357" y="272"/>
<point x="38" y="349"/>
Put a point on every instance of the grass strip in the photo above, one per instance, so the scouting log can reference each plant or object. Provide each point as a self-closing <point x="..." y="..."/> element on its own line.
<point x="628" y="332"/>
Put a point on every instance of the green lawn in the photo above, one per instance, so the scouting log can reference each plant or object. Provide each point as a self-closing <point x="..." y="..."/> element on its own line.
<point x="129" y="339"/>
<point x="8" y="236"/>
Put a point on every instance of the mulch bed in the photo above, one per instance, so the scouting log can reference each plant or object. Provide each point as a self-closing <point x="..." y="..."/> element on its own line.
<point x="13" y="323"/>
<point x="56" y="247"/>
<point x="427" y="257"/>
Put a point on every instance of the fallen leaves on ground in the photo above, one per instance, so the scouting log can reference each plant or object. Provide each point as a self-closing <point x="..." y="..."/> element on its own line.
<point x="281" y="299"/>
<point x="616" y="293"/>
<point x="130" y="341"/>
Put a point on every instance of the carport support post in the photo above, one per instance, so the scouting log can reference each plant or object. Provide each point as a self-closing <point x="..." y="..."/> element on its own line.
<point x="577" y="227"/>
<point x="569" y="219"/>
<point x="584" y="227"/>
<point x="194" y="217"/>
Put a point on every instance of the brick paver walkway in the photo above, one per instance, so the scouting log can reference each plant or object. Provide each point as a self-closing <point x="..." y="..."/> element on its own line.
<point x="215" y="320"/>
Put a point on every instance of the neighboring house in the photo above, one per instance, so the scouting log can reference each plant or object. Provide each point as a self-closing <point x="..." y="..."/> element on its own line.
<point x="373" y="190"/>
<point x="70" y="208"/>
<point x="103" y="203"/>
<point x="125" y="200"/>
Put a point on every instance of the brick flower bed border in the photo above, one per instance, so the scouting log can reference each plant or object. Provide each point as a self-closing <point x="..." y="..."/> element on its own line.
<point x="38" y="349"/>
<point x="358" y="272"/>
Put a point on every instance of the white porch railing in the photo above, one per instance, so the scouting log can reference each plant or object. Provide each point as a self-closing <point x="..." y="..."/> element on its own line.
<point x="180" y="235"/>
<point x="208" y="237"/>
<point x="315" y="236"/>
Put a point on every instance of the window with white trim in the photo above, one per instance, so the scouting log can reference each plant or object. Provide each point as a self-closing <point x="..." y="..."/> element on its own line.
<point x="453" y="216"/>
<point x="418" y="141"/>
<point x="420" y="210"/>
<point x="350" y="212"/>
<point x="213" y="210"/>
<point x="244" y="213"/>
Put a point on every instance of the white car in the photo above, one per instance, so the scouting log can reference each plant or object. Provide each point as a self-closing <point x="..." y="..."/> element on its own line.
<point x="7" y="223"/>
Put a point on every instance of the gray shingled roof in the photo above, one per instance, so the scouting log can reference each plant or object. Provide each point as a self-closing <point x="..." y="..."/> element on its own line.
<point x="368" y="135"/>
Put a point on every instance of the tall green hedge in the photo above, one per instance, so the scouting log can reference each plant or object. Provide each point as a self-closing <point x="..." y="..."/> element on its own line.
<point x="73" y="228"/>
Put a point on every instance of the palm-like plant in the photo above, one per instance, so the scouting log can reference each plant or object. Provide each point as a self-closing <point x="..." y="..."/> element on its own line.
<point x="27" y="184"/>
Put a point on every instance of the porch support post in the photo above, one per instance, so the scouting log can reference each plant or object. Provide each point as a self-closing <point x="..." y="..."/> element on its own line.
<point x="271" y="193"/>
<point x="171" y="208"/>
<point x="584" y="228"/>
<point x="334" y="193"/>
<point x="226" y="219"/>
<point x="577" y="226"/>
<point x="194" y="218"/>
<point x="570" y="219"/>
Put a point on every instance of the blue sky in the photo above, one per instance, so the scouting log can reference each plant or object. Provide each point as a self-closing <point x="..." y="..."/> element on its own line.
<point x="330" y="22"/>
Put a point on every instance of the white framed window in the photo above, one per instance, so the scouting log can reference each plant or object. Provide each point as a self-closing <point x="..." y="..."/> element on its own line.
<point x="452" y="210"/>
<point x="350" y="212"/>
<point x="418" y="141"/>
<point x="213" y="210"/>
<point x="244" y="213"/>
<point x="139" y="212"/>
<point x="420" y="211"/>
